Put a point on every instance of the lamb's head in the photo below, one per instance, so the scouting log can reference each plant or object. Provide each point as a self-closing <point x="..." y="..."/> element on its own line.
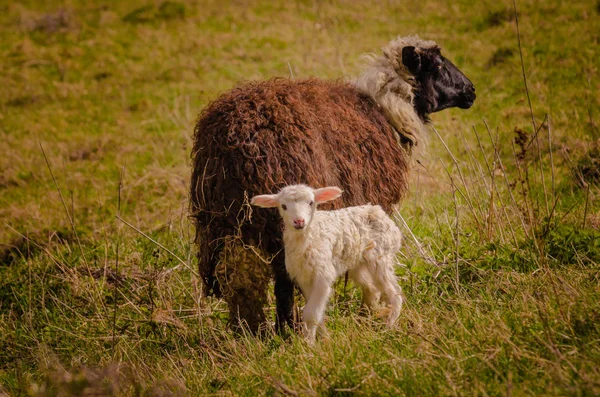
<point x="297" y="203"/>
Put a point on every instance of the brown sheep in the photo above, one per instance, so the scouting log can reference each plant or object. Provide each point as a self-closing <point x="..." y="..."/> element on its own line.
<point x="262" y="136"/>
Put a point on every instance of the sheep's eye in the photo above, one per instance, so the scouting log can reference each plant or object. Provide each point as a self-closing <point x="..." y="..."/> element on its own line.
<point x="311" y="203"/>
<point x="284" y="207"/>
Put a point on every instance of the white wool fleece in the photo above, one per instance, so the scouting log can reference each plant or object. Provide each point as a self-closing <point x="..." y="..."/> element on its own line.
<point x="320" y="246"/>
<point x="337" y="241"/>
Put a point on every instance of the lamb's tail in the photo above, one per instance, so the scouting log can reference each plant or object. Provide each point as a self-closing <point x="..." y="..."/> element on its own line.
<point x="380" y="220"/>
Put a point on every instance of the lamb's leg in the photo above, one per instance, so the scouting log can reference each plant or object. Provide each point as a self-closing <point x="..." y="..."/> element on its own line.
<point x="362" y="277"/>
<point x="314" y="310"/>
<point x="390" y="287"/>
<point x="382" y="271"/>
<point x="394" y="296"/>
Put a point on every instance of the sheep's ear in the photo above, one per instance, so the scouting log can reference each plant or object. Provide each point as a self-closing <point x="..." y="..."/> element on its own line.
<point x="327" y="194"/>
<point x="265" y="201"/>
<point x="411" y="59"/>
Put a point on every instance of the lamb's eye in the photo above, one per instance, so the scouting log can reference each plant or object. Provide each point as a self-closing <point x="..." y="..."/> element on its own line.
<point x="284" y="207"/>
<point x="311" y="203"/>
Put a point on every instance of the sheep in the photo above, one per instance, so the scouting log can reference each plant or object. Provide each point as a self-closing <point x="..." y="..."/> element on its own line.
<point x="320" y="246"/>
<point x="264" y="135"/>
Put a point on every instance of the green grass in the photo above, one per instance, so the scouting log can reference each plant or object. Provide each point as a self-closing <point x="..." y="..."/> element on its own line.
<point x="502" y="290"/>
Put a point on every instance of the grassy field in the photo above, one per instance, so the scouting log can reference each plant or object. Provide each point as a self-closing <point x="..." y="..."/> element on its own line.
<point x="501" y="263"/>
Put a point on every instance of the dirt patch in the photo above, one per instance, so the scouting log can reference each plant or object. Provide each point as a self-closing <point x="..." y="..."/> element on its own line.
<point x="134" y="276"/>
<point x="500" y="56"/>
<point x="587" y="170"/>
<point x="148" y="13"/>
<point x="85" y="154"/>
<point x="495" y="18"/>
<point x="6" y="182"/>
<point x="24" y="100"/>
<point x="102" y="75"/>
<point x="593" y="222"/>
<point x="90" y="149"/>
<point x="29" y="244"/>
<point x="61" y="20"/>
<point x="111" y="276"/>
<point x="113" y="379"/>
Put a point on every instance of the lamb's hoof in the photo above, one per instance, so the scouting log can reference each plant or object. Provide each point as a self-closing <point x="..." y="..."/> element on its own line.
<point x="310" y="333"/>
<point x="310" y="340"/>
<point x="324" y="334"/>
<point x="383" y="312"/>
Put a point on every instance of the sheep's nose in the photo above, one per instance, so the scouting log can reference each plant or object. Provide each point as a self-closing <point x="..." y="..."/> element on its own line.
<point x="299" y="223"/>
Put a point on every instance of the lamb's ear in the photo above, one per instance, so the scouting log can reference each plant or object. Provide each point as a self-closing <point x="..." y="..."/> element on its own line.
<point x="327" y="194"/>
<point x="265" y="201"/>
<point x="411" y="59"/>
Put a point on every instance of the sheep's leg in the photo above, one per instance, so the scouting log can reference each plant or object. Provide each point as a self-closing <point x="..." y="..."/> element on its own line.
<point x="244" y="279"/>
<point x="284" y="295"/>
<point x="208" y="259"/>
<point x="314" y="309"/>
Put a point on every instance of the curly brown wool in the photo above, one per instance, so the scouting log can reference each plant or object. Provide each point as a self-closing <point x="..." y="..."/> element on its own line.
<point x="265" y="135"/>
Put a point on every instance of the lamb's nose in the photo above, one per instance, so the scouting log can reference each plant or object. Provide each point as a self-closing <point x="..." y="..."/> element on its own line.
<point x="299" y="223"/>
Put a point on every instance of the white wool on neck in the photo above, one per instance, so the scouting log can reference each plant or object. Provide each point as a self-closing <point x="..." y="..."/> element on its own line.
<point x="391" y="86"/>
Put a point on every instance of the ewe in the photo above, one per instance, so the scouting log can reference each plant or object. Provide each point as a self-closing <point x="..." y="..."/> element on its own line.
<point x="320" y="246"/>
<point x="264" y="135"/>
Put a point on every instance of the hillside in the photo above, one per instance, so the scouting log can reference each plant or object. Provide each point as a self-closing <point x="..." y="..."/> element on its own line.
<point x="501" y="261"/>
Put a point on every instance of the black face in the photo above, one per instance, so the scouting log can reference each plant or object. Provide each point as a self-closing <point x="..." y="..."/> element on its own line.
<point x="440" y="84"/>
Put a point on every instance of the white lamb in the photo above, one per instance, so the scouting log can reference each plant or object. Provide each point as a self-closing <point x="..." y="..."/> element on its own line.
<point x="320" y="246"/>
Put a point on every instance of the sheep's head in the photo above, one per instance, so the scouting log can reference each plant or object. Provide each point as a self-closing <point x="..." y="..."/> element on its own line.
<point x="297" y="203"/>
<point x="440" y="84"/>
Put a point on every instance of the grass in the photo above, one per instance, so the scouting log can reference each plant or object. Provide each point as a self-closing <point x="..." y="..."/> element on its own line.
<point x="502" y="287"/>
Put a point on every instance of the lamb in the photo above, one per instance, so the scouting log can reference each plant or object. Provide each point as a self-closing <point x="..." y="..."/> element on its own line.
<point x="320" y="246"/>
<point x="262" y="136"/>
